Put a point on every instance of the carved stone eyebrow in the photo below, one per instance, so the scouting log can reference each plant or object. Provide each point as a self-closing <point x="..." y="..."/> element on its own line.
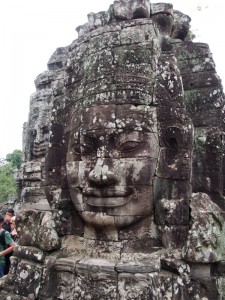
<point x="137" y="127"/>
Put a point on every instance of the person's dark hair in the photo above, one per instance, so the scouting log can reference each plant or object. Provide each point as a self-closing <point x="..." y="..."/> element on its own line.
<point x="11" y="211"/>
<point x="1" y="219"/>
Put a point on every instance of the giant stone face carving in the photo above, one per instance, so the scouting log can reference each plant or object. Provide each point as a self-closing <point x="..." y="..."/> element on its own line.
<point x="112" y="159"/>
<point x="133" y="167"/>
<point x="119" y="140"/>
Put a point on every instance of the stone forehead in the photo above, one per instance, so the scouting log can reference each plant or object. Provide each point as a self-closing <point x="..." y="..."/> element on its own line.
<point x="140" y="118"/>
<point x="115" y="58"/>
<point x="115" y="73"/>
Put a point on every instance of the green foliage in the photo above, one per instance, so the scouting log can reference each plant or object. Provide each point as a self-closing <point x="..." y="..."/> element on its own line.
<point x="7" y="167"/>
<point x="7" y="182"/>
<point x="15" y="158"/>
<point x="191" y="35"/>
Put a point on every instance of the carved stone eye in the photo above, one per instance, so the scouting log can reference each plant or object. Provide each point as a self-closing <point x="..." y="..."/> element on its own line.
<point x="45" y="129"/>
<point x="33" y="132"/>
<point x="173" y="138"/>
<point x="86" y="149"/>
<point x="130" y="146"/>
<point x="83" y="149"/>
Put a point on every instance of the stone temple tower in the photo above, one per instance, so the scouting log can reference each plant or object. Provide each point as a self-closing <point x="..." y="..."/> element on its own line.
<point x="122" y="184"/>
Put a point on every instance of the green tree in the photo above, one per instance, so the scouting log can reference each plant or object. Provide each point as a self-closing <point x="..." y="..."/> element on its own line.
<point x="15" y="158"/>
<point x="7" y="182"/>
<point x="7" y="168"/>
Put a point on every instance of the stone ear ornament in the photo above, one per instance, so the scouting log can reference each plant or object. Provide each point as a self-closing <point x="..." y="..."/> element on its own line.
<point x="173" y="140"/>
<point x="174" y="158"/>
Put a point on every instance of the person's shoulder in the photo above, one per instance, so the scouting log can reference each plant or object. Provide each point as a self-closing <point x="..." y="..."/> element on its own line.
<point x="7" y="233"/>
<point x="3" y="231"/>
<point x="8" y="238"/>
<point x="6" y="226"/>
<point x="2" y="237"/>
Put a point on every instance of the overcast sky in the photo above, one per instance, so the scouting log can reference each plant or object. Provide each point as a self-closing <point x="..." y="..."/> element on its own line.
<point x="31" y="30"/>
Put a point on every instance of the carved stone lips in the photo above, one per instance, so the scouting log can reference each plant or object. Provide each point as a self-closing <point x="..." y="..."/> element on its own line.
<point x="107" y="197"/>
<point x="39" y="149"/>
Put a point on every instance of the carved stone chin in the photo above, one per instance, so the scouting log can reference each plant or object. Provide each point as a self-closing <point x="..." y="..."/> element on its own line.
<point x="39" y="149"/>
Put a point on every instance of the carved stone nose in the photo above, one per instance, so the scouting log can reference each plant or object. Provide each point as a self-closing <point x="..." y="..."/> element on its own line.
<point x="39" y="138"/>
<point x="101" y="175"/>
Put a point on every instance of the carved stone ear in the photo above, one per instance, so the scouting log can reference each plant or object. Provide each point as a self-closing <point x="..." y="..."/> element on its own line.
<point x="172" y="155"/>
<point x="173" y="141"/>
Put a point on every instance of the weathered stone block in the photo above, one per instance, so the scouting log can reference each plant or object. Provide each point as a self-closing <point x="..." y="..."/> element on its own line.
<point x="37" y="229"/>
<point x="174" y="236"/>
<point x="137" y="286"/>
<point x="218" y="268"/>
<point x="205" y="243"/>
<point x="172" y="212"/>
<point x="169" y="189"/>
<point x="27" y="281"/>
<point x="138" y="263"/>
<point x="30" y="253"/>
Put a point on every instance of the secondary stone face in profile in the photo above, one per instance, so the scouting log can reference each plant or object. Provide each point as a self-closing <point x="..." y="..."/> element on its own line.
<point x="122" y="187"/>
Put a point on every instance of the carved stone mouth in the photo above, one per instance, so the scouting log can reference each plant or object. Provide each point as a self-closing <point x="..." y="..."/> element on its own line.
<point x="39" y="149"/>
<point x="107" y="201"/>
<point x="106" y="192"/>
<point x="107" y="197"/>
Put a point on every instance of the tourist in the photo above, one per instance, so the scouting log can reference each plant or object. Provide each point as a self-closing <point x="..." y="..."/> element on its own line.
<point x="13" y="228"/>
<point x="8" y="217"/>
<point x="7" y="226"/>
<point x="6" y="246"/>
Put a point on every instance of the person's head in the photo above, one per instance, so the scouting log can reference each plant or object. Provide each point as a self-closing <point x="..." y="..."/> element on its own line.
<point x="1" y="220"/>
<point x="9" y="214"/>
<point x="38" y="127"/>
<point x="13" y="222"/>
